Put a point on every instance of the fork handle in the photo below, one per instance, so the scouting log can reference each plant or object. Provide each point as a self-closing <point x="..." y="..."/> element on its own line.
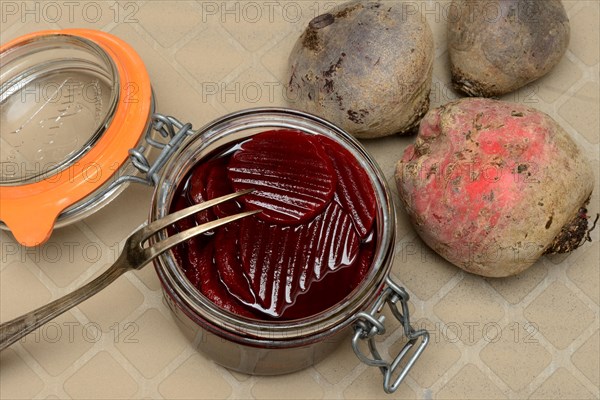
<point x="13" y="330"/>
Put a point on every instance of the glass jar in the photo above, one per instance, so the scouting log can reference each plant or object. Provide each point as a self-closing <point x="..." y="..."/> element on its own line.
<point x="272" y="347"/>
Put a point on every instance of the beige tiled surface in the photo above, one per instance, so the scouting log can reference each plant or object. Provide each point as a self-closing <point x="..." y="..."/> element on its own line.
<point x="535" y="335"/>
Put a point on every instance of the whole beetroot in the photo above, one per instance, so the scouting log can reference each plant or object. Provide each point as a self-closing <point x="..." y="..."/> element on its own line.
<point x="498" y="46"/>
<point x="366" y="67"/>
<point x="491" y="186"/>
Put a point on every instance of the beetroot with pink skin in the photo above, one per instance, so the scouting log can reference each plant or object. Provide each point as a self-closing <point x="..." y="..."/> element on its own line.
<point x="491" y="186"/>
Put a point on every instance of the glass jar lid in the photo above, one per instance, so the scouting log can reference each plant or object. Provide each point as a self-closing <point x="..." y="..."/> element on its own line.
<point x="57" y="97"/>
<point x="72" y="104"/>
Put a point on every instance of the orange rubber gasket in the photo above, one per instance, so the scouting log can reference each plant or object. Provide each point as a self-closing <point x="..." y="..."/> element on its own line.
<point x="30" y="210"/>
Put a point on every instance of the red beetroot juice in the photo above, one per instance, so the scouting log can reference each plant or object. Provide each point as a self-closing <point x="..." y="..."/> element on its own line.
<point x="309" y="248"/>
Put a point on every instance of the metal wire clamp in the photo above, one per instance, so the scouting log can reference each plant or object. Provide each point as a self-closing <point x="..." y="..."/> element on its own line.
<point x="370" y="323"/>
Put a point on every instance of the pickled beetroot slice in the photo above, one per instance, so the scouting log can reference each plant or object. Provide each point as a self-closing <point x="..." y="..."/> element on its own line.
<point x="205" y="277"/>
<point x="354" y="189"/>
<point x="197" y="191"/>
<point x="336" y="241"/>
<point x="267" y="262"/>
<point x="228" y="263"/>
<point x="282" y="262"/>
<point x="294" y="179"/>
<point x="217" y="185"/>
<point x="344" y="281"/>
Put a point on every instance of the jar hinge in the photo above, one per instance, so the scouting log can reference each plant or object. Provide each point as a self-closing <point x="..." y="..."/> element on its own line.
<point x="369" y="324"/>
<point x="169" y="128"/>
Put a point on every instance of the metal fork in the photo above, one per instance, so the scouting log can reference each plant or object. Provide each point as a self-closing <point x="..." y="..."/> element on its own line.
<point x="134" y="256"/>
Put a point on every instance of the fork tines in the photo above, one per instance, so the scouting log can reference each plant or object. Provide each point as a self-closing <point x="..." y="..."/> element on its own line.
<point x="174" y="240"/>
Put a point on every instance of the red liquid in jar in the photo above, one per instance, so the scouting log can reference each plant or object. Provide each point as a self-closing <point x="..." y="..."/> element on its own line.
<point x="309" y="248"/>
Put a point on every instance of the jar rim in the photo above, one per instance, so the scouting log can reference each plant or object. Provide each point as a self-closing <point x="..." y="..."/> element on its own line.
<point x="235" y="327"/>
<point x="24" y="67"/>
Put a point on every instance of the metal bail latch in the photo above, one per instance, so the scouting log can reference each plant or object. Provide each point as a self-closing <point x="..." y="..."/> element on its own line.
<point x="169" y="128"/>
<point x="370" y="324"/>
